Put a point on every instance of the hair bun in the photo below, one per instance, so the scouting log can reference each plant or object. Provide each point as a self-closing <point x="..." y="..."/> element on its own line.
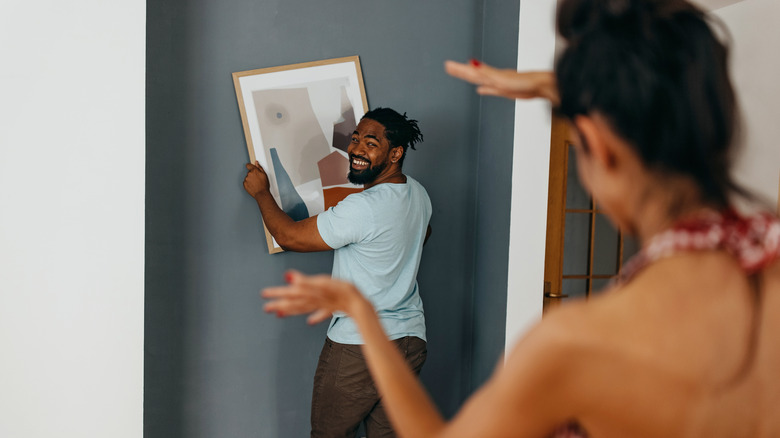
<point x="577" y="18"/>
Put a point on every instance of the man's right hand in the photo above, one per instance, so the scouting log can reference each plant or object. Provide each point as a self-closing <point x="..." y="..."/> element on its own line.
<point x="256" y="181"/>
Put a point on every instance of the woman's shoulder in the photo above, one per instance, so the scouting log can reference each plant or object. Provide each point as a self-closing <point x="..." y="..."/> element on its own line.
<point x="575" y="330"/>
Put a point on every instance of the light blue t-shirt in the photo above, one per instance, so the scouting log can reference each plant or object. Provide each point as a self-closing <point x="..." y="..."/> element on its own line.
<point x="378" y="236"/>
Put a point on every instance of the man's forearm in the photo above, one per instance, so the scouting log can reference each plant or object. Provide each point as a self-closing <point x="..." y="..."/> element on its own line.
<point x="301" y="236"/>
<point x="276" y="220"/>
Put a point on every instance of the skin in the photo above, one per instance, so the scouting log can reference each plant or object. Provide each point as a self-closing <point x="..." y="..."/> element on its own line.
<point x="662" y="356"/>
<point x="507" y="83"/>
<point x="367" y="145"/>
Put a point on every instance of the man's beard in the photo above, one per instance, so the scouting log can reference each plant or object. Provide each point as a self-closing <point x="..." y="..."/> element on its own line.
<point x="365" y="176"/>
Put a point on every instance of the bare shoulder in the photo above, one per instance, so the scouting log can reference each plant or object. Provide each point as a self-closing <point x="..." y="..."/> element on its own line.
<point x="529" y="392"/>
<point x="574" y="333"/>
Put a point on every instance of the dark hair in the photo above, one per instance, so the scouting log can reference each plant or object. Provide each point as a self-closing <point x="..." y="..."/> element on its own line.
<point x="399" y="129"/>
<point x="656" y="70"/>
<point x="658" y="73"/>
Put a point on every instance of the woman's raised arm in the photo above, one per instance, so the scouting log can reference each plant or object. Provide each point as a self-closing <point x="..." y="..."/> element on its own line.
<point x="506" y="82"/>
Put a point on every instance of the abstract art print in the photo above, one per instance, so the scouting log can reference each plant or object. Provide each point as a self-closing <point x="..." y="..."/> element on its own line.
<point x="298" y="120"/>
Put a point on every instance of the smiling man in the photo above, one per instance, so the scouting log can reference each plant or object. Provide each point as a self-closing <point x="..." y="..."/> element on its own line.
<point x="378" y="236"/>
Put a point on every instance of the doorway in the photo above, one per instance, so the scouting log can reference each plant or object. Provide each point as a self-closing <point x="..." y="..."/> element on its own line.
<point x="583" y="251"/>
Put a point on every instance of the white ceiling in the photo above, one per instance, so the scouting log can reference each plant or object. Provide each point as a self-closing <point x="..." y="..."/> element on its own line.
<point x="715" y="4"/>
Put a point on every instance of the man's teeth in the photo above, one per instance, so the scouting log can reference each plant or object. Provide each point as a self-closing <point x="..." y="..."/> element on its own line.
<point x="359" y="162"/>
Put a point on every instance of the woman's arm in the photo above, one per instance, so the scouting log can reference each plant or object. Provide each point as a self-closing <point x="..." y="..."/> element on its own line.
<point x="506" y="82"/>
<point x="520" y="400"/>
<point x="408" y="405"/>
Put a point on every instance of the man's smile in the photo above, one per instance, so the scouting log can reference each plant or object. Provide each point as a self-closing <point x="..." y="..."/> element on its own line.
<point x="359" y="163"/>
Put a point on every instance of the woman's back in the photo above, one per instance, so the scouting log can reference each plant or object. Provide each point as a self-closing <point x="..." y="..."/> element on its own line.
<point x="676" y="353"/>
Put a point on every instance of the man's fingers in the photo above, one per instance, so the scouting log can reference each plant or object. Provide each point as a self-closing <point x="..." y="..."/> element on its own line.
<point x="254" y="166"/>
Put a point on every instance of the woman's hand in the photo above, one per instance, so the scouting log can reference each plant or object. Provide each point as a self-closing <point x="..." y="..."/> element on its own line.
<point x="505" y="82"/>
<point x="318" y="295"/>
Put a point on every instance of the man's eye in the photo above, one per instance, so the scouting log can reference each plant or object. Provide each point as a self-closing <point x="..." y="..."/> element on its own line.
<point x="354" y="140"/>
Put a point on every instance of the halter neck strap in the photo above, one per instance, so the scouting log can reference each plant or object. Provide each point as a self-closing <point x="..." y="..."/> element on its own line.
<point x="754" y="240"/>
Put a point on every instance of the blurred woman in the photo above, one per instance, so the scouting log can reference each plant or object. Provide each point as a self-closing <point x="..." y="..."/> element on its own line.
<point x="683" y="345"/>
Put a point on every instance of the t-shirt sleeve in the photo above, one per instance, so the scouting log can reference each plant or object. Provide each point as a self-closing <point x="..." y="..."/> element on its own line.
<point x="347" y="222"/>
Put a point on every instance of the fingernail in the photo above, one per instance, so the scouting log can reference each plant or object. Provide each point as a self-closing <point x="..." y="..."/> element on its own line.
<point x="279" y="314"/>
<point x="474" y="62"/>
<point x="288" y="277"/>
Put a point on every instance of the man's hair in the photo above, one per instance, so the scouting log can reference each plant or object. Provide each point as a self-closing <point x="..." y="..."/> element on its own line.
<point x="399" y="129"/>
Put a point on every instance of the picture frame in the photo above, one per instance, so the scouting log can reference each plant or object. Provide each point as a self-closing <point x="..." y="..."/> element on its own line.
<point x="298" y="120"/>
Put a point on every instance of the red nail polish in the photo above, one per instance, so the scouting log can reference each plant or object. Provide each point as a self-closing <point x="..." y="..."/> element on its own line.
<point x="288" y="277"/>
<point x="279" y="314"/>
<point x="474" y="62"/>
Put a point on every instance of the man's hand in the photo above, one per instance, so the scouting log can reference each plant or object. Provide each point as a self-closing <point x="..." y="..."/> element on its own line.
<point x="256" y="180"/>
<point x="301" y="236"/>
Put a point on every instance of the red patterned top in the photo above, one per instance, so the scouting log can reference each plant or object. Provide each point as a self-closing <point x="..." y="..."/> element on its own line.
<point x="753" y="240"/>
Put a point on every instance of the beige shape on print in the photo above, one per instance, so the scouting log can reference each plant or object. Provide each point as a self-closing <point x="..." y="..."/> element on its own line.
<point x="288" y="123"/>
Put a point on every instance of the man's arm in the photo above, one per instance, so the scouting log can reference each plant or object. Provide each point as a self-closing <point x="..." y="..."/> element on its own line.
<point x="301" y="236"/>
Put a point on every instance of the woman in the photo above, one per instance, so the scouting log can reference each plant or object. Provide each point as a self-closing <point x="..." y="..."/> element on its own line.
<point x="683" y="345"/>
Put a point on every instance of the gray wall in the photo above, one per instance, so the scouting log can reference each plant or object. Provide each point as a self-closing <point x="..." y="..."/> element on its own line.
<point x="494" y="190"/>
<point x="215" y="364"/>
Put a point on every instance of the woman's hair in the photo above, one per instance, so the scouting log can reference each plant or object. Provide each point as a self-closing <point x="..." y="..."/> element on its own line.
<point x="658" y="73"/>
<point x="399" y="129"/>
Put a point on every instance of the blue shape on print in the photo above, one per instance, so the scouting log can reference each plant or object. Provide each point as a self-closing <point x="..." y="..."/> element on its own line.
<point x="292" y="204"/>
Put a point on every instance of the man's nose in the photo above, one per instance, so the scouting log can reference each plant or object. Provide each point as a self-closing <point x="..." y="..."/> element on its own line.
<point x="356" y="147"/>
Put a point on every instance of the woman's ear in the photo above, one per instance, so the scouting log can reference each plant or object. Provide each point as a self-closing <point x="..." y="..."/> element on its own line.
<point x="596" y="142"/>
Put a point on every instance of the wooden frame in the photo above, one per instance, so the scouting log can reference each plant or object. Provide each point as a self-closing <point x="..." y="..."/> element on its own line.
<point x="297" y="122"/>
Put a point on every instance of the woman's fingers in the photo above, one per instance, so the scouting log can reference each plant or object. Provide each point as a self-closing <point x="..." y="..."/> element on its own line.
<point x="303" y="295"/>
<point x="459" y="70"/>
<point x="318" y="295"/>
<point x="318" y="316"/>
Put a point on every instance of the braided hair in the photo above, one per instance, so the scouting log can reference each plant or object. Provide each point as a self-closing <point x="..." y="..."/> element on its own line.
<point x="399" y="129"/>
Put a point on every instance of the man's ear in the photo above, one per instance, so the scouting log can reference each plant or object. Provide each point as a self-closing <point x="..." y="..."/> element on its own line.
<point x="396" y="153"/>
<point x="596" y="142"/>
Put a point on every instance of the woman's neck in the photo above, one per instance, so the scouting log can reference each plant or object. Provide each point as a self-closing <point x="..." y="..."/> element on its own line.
<point x="663" y="203"/>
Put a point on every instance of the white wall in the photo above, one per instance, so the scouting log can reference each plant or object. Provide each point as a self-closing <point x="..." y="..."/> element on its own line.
<point x="72" y="218"/>
<point x="755" y="65"/>
<point x="530" y="173"/>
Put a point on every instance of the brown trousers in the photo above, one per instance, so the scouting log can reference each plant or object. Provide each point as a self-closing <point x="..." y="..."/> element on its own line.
<point x="344" y="393"/>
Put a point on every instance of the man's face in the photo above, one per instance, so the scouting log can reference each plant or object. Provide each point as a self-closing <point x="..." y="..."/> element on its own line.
<point x="369" y="152"/>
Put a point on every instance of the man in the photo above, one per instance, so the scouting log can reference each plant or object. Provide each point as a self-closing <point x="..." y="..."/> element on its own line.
<point x="377" y="235"/>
